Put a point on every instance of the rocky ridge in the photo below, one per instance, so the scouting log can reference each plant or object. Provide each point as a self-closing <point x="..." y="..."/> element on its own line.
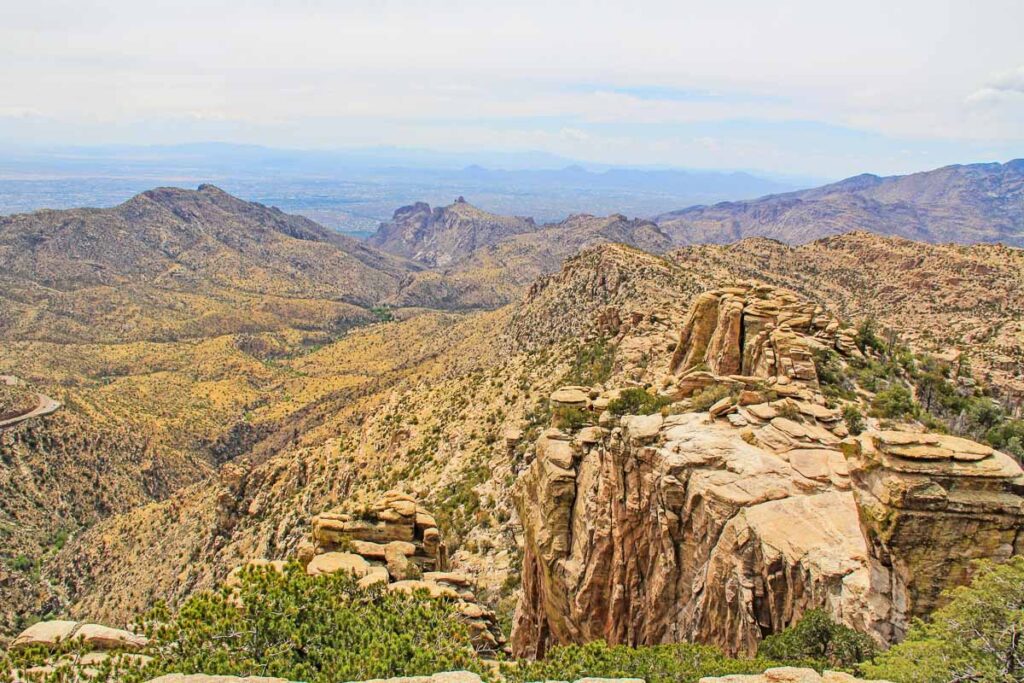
<point x="725" y="526"/>
<point x="966" y="204"/>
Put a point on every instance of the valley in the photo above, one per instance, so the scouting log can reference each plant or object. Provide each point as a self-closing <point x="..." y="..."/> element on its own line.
<point x="609" y="428"/>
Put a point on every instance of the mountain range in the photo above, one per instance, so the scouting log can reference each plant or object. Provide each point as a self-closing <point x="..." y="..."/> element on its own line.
<point x="820" y="418"/>
<point x="966" y="204"/>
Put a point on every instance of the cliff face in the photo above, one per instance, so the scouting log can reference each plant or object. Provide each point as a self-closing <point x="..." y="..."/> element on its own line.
<point x="725" y="526"/>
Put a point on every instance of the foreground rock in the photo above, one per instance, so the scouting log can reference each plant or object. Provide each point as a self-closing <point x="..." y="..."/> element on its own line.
<point x="786" y="674"/>
<point x="395" y="542"/>
<point x="725" y="526"/>
<point x="930" y="505"/>
<point x="51" y="634"/>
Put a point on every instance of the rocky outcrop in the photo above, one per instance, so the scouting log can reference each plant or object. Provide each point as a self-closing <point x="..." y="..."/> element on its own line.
<point x="753" y="330"/>
<point x="930" y="504"/>
<point x="444" y="235"/>
<point x="787" y="674"/>
<point x="677" y="528"/>
<point x="393" y="542"/>
<point x="726" y="525"/>
<point x="51" y="634"/>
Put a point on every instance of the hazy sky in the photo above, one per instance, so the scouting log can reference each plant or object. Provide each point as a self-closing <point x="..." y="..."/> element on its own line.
<point x="821" y="87"/>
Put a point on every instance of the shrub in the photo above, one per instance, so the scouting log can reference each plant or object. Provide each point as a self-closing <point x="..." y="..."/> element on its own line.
<point x="854" y="419"/>
<point x="867" y="336"/>
<point x="895" y="402"/>
<point x="567" y="417"/>
<point x="593" y="364"/>
<point x="22" y="563"/>
<point x="709" y="396"/>
<point x="675" y="663"/>
<point x="637" y="401"/>
<point x="317" y="629"/>
<point x="819" y="641"/>
<point x="975" y="637"/>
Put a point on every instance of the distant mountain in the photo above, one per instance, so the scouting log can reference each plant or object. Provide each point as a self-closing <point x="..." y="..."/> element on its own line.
<point x="438" y="237"/>
<point x="353" y="190"/>
<point x="477" y="259"/>
<point x="967" y="204"/>
<point x="173" y="263"/>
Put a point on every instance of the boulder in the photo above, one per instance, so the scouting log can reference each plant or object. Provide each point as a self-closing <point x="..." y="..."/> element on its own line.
<point x="48" y="634"/>
<point x="333" y="562"/>
<point x="571" y="397"/>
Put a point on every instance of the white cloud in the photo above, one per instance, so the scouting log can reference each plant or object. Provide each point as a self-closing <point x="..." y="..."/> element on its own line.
<point x="323" y="73"/>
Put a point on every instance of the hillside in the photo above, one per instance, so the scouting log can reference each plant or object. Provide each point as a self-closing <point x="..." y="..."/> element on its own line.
<point x="974" y="203"/>
<point x="497" y="270"/>
<point x="174" y="461"/>
<point x="943" y="299"/>
<point x="173" y="263"/>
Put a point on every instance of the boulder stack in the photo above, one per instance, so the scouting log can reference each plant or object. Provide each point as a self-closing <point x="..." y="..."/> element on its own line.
<point x="395" y="542"/>
<point x="750" y="331"/>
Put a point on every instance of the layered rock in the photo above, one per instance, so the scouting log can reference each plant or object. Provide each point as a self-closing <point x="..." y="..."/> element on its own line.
<point x="931" y="504"/>
<point x="677" y="528"/>
<point x="753" y="330"/>
<point x="727" y="525"/>
<point x="395" y="542"/>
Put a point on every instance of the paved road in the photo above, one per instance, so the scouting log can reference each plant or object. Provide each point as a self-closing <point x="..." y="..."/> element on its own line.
<point x="46" y="405"/>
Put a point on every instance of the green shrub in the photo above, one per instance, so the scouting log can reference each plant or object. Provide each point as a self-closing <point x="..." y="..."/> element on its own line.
<point x="637" y="401"/>
<point x="867" y="336"/>
<point x="317" y="629"/>
<point x="819" y="641"/>
<point x="895" y="402"/>
<point x="22" y="563"/>
<point x="593" y="364"/>
<point x="854" y="419"/>
<point x="567" y="417"/>
<point x="709" y="396"/>
<point x="675" y="663"/>
<point x="977" y="636"/>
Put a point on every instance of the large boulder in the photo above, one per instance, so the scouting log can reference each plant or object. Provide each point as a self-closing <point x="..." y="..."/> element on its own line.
<point x="50" y="634"/>
<point x="931" y="504"/>
<point x="751" y="331"/>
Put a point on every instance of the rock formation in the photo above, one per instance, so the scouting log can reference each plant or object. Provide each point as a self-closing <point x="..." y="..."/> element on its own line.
<point x="930" y="504"/>
<point x="786" y="674"/>
<point x="753" y="331"/>
<point x="726" y="526"/>
<point x="396" y="542"/>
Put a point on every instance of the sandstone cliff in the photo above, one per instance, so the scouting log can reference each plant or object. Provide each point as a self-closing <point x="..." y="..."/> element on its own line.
<point x="725" y="526"/>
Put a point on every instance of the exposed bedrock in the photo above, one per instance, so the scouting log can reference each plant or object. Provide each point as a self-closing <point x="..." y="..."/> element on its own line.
<point x="726" y="526"/>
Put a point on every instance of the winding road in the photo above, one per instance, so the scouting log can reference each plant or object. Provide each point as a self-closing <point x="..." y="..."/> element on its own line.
<point x="46" y="404"/>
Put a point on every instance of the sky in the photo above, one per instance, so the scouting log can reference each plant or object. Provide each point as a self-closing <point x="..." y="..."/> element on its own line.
<point x="823" y="88"/>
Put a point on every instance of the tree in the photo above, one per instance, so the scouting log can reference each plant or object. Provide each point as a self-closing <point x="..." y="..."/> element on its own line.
<point x="674" y="663"/>
<point x="287" y="624"/>
<point x="977" y="636"/>
<point x="818" y="640"/>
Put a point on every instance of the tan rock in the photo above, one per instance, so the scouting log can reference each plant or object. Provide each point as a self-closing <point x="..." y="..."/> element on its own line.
<point x="721" y="406"/>
<point x="574" y="397"/>
<point x="434" y="590"/>
<point x="642" y="428"/>
<point x="45" y="634"/>
<point x="333" y="562"/>
<point x="375" y="575"/>
<point x="400" y="567"/>
<point x="207" y="678"/>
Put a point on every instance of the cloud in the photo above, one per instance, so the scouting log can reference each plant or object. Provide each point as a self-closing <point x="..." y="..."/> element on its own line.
<point x="600" y="79"/>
